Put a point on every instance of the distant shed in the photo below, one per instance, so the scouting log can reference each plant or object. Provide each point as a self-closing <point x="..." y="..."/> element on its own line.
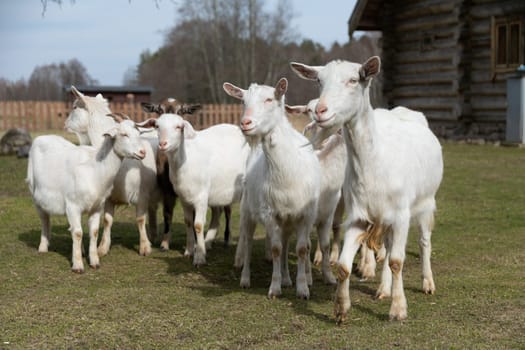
<point x="133" y="94"/>
<point x="448" y="58"/>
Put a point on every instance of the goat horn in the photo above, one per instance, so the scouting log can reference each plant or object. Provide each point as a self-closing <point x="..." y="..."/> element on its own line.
<point x="119" y="117"/>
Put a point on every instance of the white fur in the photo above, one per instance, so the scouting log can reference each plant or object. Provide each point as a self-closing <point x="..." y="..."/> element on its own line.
<point x="70" y="180"/>
<point x="282" y="185"/>
<point x="394" y="170"/>
<point x="207" y="168"/>
<point x="367" y="263"/>
<point x="331" y="152"/>
<point x="136" y="181"/>
<point x="171" y="105"/>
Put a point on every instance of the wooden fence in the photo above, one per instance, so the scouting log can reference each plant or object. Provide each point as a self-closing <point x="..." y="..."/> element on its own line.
<point x="47" y="115"/>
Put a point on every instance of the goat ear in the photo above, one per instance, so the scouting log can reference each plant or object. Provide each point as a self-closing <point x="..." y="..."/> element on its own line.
<point x="119" y="117"/>
<point x="147" y="107"/>
<point x="152" y="108"/>
<point x="77" y="93"/>
<point x="188" y="108"/>
<point x="370" y="68"/>
<point x="111" y="133"/>
<point x="280" y="88"/>
<point x="189" y="132"/>
<point x="147" y="124"/>
<point x="304" y="71"/>
<point x="233" y="90"/>
<point x="295" y="109"/>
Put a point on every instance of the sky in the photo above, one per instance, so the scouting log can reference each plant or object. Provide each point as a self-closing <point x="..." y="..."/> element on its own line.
<point x="108" y="36"/>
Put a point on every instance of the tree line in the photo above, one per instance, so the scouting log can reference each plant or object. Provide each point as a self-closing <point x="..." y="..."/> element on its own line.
<point x="240" y="41"/>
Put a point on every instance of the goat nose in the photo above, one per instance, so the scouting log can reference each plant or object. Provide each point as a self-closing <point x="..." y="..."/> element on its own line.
<point x="142" y="152"/>
<point x="245" y="123"/>
<point x="163" y="144"/>
<point x="320" y="109"/>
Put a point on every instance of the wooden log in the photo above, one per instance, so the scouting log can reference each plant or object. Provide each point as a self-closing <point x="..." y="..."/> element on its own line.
<point x="440" y="115"/>
<point x="429" y="22"/>
<point x="494" y="103"/>
<point x="491" y="116"/>
<point x="421" y="68"/>
<point x="449" y="56"/>
<point x="429" y="103"/>
<point x="425" y="79"/>
<point x="481" y="53"/>
<point x="480" y="27"/>
<point x="485" y="76"/>
<point x="425" y="8"/>
<point x="497" y="8"/>
<point x="430" y="91"/>
<point x="489" y="89"/>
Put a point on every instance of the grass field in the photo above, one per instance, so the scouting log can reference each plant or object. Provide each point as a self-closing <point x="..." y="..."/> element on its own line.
<point x="161" y="301"/>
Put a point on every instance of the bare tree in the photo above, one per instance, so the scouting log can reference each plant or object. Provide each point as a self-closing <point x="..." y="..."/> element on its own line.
<point x="232" y="39"/>
<point x="47" y="82"/>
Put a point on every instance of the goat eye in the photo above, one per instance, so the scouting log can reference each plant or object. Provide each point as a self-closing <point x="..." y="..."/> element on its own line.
<point x="351" y="81"/>
<point x="268" y="100"/>
<point x="123" y="134"/>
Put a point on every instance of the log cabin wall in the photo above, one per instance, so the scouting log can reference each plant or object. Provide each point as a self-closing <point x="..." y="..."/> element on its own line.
<point x="438" y="58"/>
<point x="423" y="67"/>
<point x="487" y="85"/>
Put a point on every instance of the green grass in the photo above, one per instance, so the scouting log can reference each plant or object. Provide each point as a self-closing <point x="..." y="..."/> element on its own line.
<point x="161" y="301"/>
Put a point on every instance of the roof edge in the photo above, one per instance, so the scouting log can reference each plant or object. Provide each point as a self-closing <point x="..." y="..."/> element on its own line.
<point x="353" y="22"/>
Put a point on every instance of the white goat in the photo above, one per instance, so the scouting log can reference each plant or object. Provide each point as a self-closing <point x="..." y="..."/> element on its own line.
<point x="136" y="182"/>
<point x="65" y="179"/>
<point x="331" y="152"/>
<point x="282" y="185"/>
<point x="394" y="170"/>
<point x="171" y="105"/>
<point x="367" y="263"/>
<point x="206" y="168"/>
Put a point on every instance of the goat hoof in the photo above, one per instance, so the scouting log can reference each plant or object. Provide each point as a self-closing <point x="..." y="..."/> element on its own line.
<point x="340" y="318"/>
<point x="303" y="296"/>
<point x="102" y="252"/>
<point x="78" y="270"/>
<point x="198" y="262"/>
<point x="398" y="317"/>
<point x="95" y="266"/>
<point x="340" y="314"/>
<point x="382" y="296"/>
<point x="428" y="286"/>
<point x="273" y="294"/>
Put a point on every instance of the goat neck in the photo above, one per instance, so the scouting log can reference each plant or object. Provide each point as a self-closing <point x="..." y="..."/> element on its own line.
<point x="107" y="162"/>
<point x="276" y="145"/>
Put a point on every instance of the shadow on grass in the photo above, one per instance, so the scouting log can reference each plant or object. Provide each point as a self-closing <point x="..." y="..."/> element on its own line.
<point x="60" y="241"/>
<point x="225" y="279"/>
<point x="123" y="234"/>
